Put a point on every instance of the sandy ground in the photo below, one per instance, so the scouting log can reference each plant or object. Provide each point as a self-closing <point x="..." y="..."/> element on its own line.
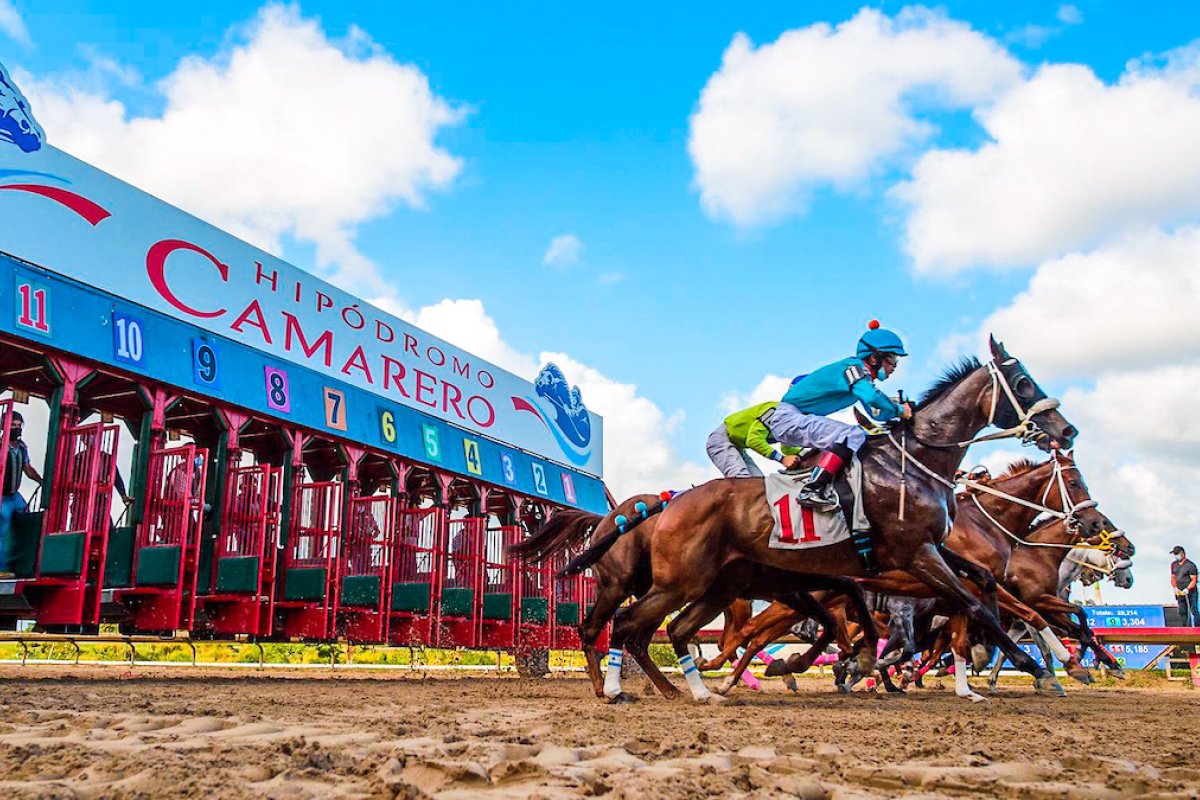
<point x="98" y="732"/>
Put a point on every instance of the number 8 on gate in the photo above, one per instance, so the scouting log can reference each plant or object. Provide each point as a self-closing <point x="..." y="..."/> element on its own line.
<point x="279" y="396"/>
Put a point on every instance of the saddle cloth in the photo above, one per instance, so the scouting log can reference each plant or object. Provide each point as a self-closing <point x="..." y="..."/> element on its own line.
<point x="800" y="528"/>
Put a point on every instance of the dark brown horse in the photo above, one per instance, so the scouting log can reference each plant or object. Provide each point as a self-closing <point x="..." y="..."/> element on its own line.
<point x="709" y="539"/>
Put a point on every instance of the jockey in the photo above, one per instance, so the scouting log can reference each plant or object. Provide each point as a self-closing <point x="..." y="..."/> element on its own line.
<point x="742" y="431"/>
<point x="800" y="421"/>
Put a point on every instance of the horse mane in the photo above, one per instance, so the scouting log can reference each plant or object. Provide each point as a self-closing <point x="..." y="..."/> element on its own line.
<point x="1019" y="467"/>
<point x="953" y="375"/>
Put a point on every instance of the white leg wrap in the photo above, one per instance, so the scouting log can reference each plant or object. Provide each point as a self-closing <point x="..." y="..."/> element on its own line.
<point x="961" y="687"/>
<point x="612" y="678"/>
<point x="692" y="676"/>
<point x="1056" y="646"/>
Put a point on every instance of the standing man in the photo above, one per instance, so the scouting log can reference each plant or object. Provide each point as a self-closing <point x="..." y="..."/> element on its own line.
<point x="1183" y="581"/>
<point x="16" y="467"/>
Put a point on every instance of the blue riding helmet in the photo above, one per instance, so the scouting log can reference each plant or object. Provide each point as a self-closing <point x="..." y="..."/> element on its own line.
<point x="879" y="340"/>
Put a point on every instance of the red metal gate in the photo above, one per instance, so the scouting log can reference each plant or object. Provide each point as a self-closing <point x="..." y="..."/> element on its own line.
<point x="415" y="580"/>
<point x="501" y="606"/>
<point x="71" y="556"/>
<point x="461" y="594"/>
<point x="537" y="586"/>
<point x="242" y="592"/>
<point x="363" y="585"/>
<point x="310" y="566"/>
<point x="167" y="547"/>
<point x="568" y="607"/>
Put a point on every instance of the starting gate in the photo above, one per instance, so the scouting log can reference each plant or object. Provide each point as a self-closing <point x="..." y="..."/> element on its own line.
<point x="501" y="605"/>
<point x="167" y="546"/>
<point x="70" y="571"/>
<point x="537" y="584"/>
<point x="366" y="549"/>
<point x="568" y="608"/>
<point x="242" y="593"/>
<point x="414" y="577"/>
<point x="310" y="565"/>
<point x="460" y="596"/>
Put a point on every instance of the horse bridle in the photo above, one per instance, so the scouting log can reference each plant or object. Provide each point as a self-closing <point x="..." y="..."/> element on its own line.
<point x="1068" y="514"/>
<point x="1025" y="428"/>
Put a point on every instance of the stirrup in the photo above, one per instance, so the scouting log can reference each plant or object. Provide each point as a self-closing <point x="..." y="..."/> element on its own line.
<point x="820" y="498"/>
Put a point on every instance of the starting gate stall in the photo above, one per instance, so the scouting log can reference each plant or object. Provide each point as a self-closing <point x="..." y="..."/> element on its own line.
<point x="305" y="610"/>
<point x="537" y="593"/>
<point x="414" y="581"/>
<point x="362" y="611"/>
<point x="241" y="599"/>
<point x="70" y="566"/>
<point x="501" y="606"/>
<point x="569" y="599"/>
<point x="460" y="598"/>
<point x="167" y="546"/>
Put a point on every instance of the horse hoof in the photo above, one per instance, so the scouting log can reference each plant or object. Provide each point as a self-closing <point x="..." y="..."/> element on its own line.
<point x="621" y="699"/>
<point x="1117" y="673"/>
<point x="790" y="683"/>
<point x="843" y="688"/>
<point x="974" y="698"/>
<point x="776" y="669"/>
<point x="895" y="690"/>
<point x="1049" y="685"/>
<point x="1083" y="676"/>
<point x="712" y="700"/>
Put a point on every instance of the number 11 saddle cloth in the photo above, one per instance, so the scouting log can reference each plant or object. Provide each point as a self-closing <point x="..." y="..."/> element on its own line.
<point x="798" y="527"/>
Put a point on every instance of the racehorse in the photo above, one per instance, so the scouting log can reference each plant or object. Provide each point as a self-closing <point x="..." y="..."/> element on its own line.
<point x="1089" y="565"/>
<point x="708" y="537"/>
<point x="987" y="515"/>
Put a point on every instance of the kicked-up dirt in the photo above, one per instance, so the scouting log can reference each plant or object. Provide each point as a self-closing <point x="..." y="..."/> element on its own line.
<point x="100" y="732"/>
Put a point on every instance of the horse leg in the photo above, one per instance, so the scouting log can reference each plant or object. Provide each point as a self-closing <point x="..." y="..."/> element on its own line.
<point x="928" y="566"/>
<point x="608" y="600"/>
<point x="850" y="589"/>
<point x="959" y="645"/>
<point x="803" y="603"/>
<point x="736" y="616"/>
<point x="681" y="630"/>
<point x="1076" y="624"/>
<point x="633" y="628"/>
<point x="1013" y="633"/>
<point x="1045" y="638"/>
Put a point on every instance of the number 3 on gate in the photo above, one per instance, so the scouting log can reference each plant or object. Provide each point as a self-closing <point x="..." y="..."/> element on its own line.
<point x="279" y="396"/>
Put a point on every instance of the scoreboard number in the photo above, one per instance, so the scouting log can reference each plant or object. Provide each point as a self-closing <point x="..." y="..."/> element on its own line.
<point x="507" y="467"/>
<point x="471" y="451"/>
<point x="205" y="369"/>
<point x="568" y="487"/>
<point x="429" y="437"/>
<point x="387" y="426"/>
<point x="539" y="479"/>
<point x="128" y="339"/>
<point x="279" y="396"/>
<point x="335" y="409"/>
<point x="33" y="307"/>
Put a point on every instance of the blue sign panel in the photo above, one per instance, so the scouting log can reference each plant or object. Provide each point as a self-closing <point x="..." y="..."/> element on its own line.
<point x="1125" y="616"/>
<point x="187" y="357"/>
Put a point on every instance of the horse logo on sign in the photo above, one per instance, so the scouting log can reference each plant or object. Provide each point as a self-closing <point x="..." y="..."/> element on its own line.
<point x="17" y="124"/>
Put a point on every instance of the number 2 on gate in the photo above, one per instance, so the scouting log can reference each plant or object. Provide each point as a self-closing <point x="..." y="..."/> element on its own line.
<point x="787" y="534"/>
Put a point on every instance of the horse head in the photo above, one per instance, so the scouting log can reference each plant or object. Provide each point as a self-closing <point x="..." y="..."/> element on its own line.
<point x="17" y="124"/>
<point x="1073" y="499"/>
<point x="1018" y="403"/>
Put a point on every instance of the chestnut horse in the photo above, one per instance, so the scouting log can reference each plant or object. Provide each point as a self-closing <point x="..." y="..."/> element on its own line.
<point x="707" y="541"/>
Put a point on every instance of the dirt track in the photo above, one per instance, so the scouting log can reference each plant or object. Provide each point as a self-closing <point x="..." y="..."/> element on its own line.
<point x="97" y="732"/>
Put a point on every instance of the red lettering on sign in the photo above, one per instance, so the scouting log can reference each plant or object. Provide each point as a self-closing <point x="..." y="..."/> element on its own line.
<point x="324" y="340"/>
<point x="393" y="372"/>
<point x="253" y="316"/>
<point x="480" y="419"/>
<point x="425" y="385"/>
<point x="410" y="345"/>
<point x="156" y="262"/>
<point x="358" y="360"/>
<point x="259" y="275"/>
<point x="451" y="397"/>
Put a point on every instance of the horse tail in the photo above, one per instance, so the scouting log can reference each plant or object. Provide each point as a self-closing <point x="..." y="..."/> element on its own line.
<point x="621" y="526"/>
<point x="561" y="531"/>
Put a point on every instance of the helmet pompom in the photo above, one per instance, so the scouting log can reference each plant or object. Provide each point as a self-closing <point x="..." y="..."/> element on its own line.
<point x="873" y="325"/>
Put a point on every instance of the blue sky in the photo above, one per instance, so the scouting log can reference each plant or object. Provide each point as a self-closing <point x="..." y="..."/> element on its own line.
<point x="574" y="120"/>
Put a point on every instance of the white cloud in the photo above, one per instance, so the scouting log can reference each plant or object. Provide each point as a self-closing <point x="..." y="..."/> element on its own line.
<point x="1069" y="14"/>
<point x="286" y="133"/>
<point x="11" y="24"/>
<point x="771" y="387"/>
<point x="1129" y="305"/>
<point x="609" y="278"/>
<point x="639" y="455"/>
<point x="564" y="251"/>
<point x="1071" y="161"/>
<point x="826" y="106"/>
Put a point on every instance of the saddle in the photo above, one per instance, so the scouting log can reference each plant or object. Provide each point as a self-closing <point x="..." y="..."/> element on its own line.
<point x="798" y="527"/>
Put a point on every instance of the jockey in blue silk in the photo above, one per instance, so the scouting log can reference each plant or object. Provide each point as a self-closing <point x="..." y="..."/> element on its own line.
<point x="800" y="421"/>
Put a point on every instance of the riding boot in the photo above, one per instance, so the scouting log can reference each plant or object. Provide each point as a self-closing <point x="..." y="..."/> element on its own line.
<point x="818" y="491"/>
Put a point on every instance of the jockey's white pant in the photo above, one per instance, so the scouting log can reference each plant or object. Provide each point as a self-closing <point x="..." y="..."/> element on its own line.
<point x="732" y="462"/>
<point x="791" y="426"/>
